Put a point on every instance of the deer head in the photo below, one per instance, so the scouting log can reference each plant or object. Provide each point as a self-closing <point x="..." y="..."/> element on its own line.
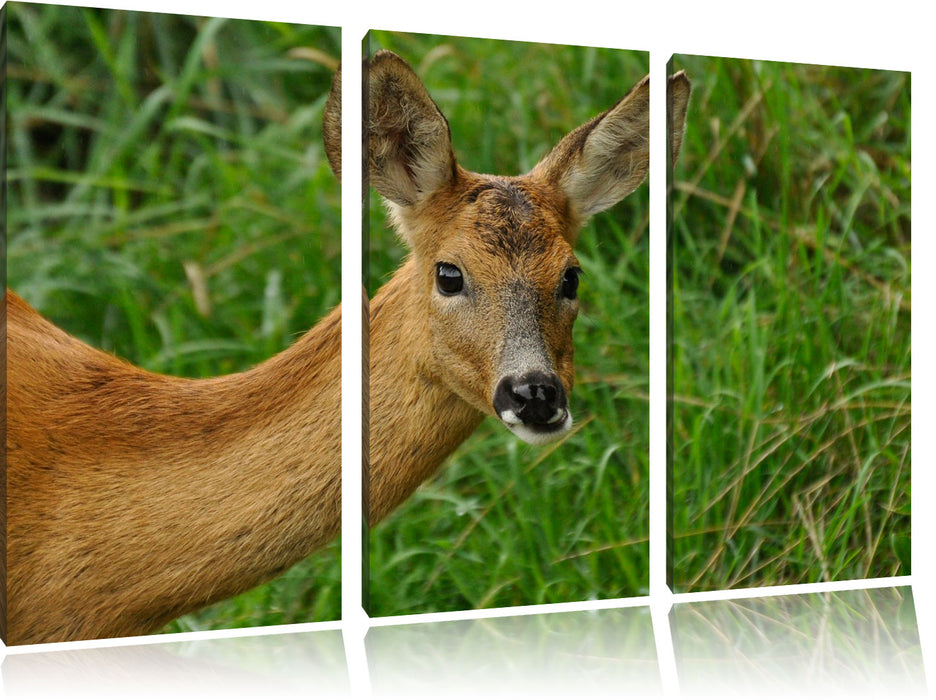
<point x="496" y="274"/>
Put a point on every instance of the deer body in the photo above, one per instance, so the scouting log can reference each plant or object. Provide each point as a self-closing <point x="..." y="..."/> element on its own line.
<point x="135" y="497"/>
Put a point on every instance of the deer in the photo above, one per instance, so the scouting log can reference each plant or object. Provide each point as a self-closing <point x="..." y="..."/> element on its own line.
<point x="135" y="498"/>
<point x="489" y="288"/>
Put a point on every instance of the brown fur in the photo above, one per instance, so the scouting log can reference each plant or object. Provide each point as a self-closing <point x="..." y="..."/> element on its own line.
<point x="109" y="465"/>
<point x="139" y="497"/>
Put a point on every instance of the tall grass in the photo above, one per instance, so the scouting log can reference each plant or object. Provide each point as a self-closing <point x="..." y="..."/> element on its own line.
<point x="504" y="523"/>
<point x="790" y="311"/>
<point x="169" y="201"/>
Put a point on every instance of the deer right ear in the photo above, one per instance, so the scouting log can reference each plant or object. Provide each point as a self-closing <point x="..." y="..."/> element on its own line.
<point x="331" y="125"/>
<point x="409" y="143"/>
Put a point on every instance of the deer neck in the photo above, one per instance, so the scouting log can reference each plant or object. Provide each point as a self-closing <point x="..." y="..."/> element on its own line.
<point x="278" y="479"/>
<point x="296" y="398"/>
<point x="415" y="420"/>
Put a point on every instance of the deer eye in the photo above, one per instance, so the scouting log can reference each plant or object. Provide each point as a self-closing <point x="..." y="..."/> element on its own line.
<point x="570" y="282"/>
<point x="449" y="279"/>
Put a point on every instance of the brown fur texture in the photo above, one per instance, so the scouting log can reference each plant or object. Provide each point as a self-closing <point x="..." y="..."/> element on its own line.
<point x="331" y="125"/>
<point x="136" y="497"/>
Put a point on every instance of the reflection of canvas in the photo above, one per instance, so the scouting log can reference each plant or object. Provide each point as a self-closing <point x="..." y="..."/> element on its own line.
<point x="505" y="523"/>
<point x="854" y="642"/>
<point x="790" y="337"/>
<point x="593" y="652"/>
<point x="169" y="201"/>
<point x="791" y="645"/>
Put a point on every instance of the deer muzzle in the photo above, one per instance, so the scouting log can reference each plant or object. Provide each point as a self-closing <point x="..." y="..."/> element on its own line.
<point x="533" y="406"/>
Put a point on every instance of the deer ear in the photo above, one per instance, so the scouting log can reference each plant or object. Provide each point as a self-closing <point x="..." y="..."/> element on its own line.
<point x="331" y="125"/>
<point x="677" y="104"/>
<point x="605" y="159"/>
<point x="409" y="143"/>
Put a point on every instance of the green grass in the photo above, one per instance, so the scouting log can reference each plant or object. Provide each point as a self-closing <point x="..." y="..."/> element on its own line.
<point x="504" y="523"/>
<point x="790" y="312"/>
<point x="151" y="157"/>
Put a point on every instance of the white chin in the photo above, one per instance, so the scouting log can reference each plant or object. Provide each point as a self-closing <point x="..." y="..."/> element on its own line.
<point x="540" y="437"/>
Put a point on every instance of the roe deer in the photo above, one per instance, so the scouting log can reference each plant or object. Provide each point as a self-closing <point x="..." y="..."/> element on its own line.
<point x="136" y="498"/>
<point x="488" y="294"/>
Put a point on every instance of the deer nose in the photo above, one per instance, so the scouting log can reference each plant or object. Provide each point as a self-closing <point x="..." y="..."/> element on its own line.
<point x="536" y="400"/>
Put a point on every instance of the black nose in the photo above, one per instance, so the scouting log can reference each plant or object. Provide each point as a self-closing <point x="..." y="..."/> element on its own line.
<point x="535" y="398"/>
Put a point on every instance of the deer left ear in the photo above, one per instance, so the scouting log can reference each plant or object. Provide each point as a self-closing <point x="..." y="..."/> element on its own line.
<point x="605" y="159"/>
<point x="678" y="89"/>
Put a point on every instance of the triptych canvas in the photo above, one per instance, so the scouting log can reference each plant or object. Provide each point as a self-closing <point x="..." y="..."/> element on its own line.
<point x="172" y="195"/>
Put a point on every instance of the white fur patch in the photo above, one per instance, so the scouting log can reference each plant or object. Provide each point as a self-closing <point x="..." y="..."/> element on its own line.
<point x="535" y="437"/>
